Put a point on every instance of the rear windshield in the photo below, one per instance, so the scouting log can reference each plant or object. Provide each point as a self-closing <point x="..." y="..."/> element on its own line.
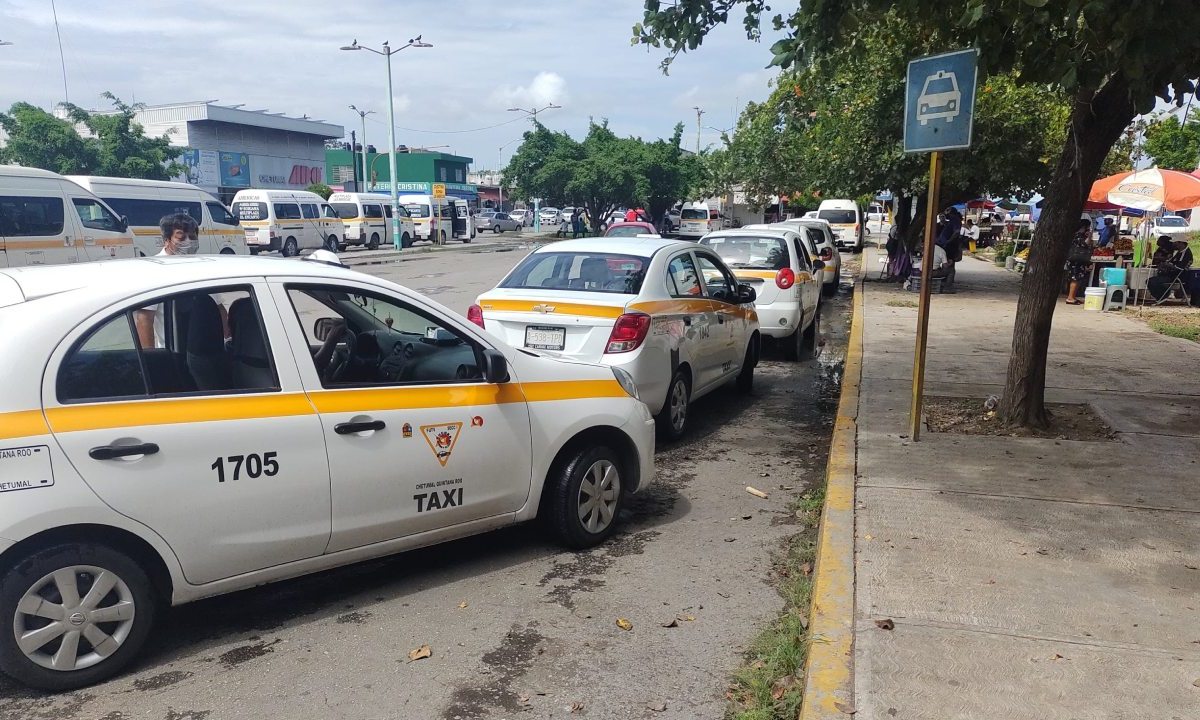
<point x="416" y="210"/>
<point x="346" y="211"/>
<point x="1172" y="222"/>
<point x="694" y="214"/>
<point x="582" y="271"/>
<point x="250" y="210"/>
<point x="838" y="217"/>
<point x="751" y="253"/>
<point x="625" y="231"/>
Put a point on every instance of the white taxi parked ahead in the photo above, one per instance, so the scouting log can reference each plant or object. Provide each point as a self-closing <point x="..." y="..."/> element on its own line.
<point x="175" y="428"/>
<point x="776" y="264"/>
<point x="668" y="312"/>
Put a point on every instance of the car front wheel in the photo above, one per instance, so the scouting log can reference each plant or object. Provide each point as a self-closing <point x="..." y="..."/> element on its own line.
<point x="672" y="419"/>
<point x="585" y="497"/>
<point x="73" y="615"/>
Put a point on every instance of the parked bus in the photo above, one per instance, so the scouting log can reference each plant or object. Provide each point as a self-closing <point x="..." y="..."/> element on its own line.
<point x="46" y="219"/>
<point x="432" y="217"/>
<point x="287" y="220"/>
<point x="366" y="220"/>
<point x="144" y="203"/>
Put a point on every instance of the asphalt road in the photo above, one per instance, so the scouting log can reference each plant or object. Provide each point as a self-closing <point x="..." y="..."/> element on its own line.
<point x="516" y="625"/>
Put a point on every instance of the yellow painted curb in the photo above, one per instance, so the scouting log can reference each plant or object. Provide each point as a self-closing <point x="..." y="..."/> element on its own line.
<point x="829" y="670"/>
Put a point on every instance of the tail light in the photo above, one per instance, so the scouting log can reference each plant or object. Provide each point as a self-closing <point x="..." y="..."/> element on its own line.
<point x="856" y="227"/>
<point x="475" y="315"/>
<point x="785" y="278"/>
<point x="628" y="333"/>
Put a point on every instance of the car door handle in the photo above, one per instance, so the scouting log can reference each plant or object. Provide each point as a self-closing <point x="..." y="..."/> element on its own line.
<point x="349" y="428"/>
<point x="112" y="452"/>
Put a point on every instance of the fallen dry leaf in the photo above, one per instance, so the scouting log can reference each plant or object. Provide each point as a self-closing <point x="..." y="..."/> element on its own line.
<point x="806" y="568"/>
<point x="843" y="707"/>
<point x="868" y="537"/>
<point x="804" y="621"/>
<point x="576" y="707"/>
<point x="885" y="624"/>
<point x="758" y="665"/>
<point x="1058" y="657"/>
<point x="1197" y="682"/>
<point x="756" y="492"/>
<point x="781" y="686"/>
<point x="462" y="605"/>
<point x="686" y="618"/>
<point x="523" y="699"/>
<point x="420" y="653"/>
<point x="656" y="707"/>
<point x="624" y="624"/>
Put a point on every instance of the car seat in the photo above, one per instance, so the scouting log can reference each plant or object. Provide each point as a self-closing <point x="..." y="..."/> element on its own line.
<point x="251" y="359"/>
<point x="593" y="275"/>
<point x="207" y="361"/>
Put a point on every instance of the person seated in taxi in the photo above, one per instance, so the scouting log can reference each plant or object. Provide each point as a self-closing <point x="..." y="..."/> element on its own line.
<point x="593" y="275"/>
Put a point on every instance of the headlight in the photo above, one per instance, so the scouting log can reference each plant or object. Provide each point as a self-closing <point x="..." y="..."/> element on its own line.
<point x="626" y="382"/>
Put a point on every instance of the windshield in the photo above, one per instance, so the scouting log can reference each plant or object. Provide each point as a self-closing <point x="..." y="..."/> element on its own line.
<point x="417" y="211"/>
<point x="939" y="85"/>
<point x="1172" y="222"/>
<point x="694" y="214"/>
<point x="625" y="231"/>
<point x="838" y="217"/>
<point x="580" y="271"/>
<point x="751" y="253"/>
<point x="549" y="210"/>
<point x="250" y="210"/>
<point x="345" y="211"/>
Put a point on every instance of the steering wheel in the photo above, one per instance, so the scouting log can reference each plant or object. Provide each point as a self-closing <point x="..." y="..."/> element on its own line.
<point x="341" y="359"/>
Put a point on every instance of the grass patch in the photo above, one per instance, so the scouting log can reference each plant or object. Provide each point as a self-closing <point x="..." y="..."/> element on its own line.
<point x="1180" y="322"/>
<point x="771" y="684"/>
<point x="901" y="303"/>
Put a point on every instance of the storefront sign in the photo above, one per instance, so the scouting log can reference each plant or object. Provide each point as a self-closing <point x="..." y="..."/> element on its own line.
<point x="286" y="173"/>
<point x="202" y="168"/>
<point x="235" y="170"/>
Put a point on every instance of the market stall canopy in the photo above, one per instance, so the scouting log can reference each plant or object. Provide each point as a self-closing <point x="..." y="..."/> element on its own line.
<point x="1151" y="190"/>
<point x="983" y="203"/>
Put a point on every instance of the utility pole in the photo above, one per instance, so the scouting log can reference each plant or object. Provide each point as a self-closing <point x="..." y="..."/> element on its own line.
<point x="362" y="114"/>
<point x="534" y="112"/>
<point x="699" y="112"/>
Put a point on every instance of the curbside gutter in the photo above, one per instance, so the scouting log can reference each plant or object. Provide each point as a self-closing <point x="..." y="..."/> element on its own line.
<point x="829" y="668"/>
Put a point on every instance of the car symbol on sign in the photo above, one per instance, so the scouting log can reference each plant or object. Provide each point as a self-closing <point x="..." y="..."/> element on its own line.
<point x="940" y="98"/>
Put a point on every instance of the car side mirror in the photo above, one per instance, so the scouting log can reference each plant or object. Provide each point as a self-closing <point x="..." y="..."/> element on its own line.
<point x="818" y="265"/>
<point x="323" y="328"/>
<point x="495" y="367"/>
<point x="746" y="295"/>
<point x="122" y="224"/>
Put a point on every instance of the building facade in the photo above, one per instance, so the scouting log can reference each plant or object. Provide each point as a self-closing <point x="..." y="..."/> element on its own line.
<point x="231" y="149"/>
<point x="417" y="172"/>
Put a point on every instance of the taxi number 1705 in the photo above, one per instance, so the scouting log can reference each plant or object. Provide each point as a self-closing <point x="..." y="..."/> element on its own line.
<point x="254" y="464"/>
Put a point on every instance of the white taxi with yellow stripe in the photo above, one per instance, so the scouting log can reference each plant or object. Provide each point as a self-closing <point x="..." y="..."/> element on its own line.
<point x="175" y="428"/>
<point x="775" y="262"/>
<point x="668" y="312"/>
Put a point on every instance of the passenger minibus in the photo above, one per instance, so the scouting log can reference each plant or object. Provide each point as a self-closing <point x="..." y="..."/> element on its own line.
<point x="287" y="220"/>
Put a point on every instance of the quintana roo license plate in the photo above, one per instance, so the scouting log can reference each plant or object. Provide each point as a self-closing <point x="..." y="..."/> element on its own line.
<point x="25" y="468"/>
<point x="541" y="337"/>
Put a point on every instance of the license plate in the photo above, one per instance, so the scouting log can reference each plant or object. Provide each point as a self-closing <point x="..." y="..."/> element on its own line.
<point x="541" y="337"/>
<point x="30" y="464"/>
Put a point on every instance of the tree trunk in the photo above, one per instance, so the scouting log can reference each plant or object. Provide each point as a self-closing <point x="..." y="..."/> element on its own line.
<point x="914" y="234"/>
<point x="903" y="213"/>
<point x="1089" y="139"/>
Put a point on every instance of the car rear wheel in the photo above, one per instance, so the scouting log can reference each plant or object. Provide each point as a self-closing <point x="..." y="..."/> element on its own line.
<point x="793" y="345"/>
<point x="406" y="241"/>
<point x="373" y="243"/>
<point x="290" y="248"/>
<point x="331" y="243"/>
<point x="585" y="497"/>
<point x="672" y="419"/>
<point x="75" y="615"/>
<point x="809" y="338"/>
<point x="496" y="229"/>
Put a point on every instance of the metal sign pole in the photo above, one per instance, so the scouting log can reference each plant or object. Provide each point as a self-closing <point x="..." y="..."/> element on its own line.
<point x="918" y="386"/>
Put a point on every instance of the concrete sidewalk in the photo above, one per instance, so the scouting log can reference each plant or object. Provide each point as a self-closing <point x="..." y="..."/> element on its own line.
<point x="1027" y="578"/>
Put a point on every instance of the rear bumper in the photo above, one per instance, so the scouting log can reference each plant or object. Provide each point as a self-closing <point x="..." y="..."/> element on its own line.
<point x="779" y="319"/>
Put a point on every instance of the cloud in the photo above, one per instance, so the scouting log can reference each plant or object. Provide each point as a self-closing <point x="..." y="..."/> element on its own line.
<point x="546" y="88"/>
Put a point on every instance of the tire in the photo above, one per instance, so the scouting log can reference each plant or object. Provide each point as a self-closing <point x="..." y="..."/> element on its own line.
<point x="373" y="243"/>
<point x="496" y="229"/>
<point x="745" y="379"/>
<point x="468" y="239"/>
<point x="331" y="243"/>
<point x="672" y="419"/>
<point x="290" y="248"/>
<point x="34" y="576"/>
<point x="406" y="241"/>
<point x="793" y="346"/>
<point x="808" y="340"/>
<point x="568" y="497"/>
<point x="226" y="251"/>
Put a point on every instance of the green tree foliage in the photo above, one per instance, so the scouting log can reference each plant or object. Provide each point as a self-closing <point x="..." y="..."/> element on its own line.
<point x="602" y="172"/>
<point x="321" y="189"/>
<point x="1111" y="58"/>
<point x="117" y="146"/>
<point x="1172" y="145"/>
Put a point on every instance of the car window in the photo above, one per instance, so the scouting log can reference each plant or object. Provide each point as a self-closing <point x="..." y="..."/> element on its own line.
<point x="416" y="210"/>
<point x="838" y="217"/>
<point x="309" y="210"/>
<point x="95" y="216"/>
<point x="327" y="211"/>
<point x="149" y="213"/>
<point x="359" y="338"/>
<point x="750" y="252"/>
<point x="287" y="211"/>
<point x="22" y="216"/>
<point x="250" y="210"/>
<point x="220" y="215"/>
<point x="579" y="271"/>
<point x="682" y="279"/>
<point x="210" y="342"/>
<point x="719" y="284"/>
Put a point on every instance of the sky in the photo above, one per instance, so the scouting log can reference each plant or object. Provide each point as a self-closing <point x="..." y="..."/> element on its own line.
<point x="486" y="57"/>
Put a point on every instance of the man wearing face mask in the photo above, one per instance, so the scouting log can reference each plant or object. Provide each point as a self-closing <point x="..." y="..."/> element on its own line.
<point x="181" y="236"/>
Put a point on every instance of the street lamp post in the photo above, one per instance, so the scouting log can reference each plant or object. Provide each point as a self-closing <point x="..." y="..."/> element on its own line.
<point x="362" y="114"/>
<point x="500" y="171"/>
<point x="537" y="216"/>
<point x="387" y="52"/>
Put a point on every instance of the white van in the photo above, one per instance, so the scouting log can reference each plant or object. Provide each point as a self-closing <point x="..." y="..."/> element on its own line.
<point x="464" y="224"/>
<point x="144" y="203"/>
<point x="287" y="220"/>
<point x="845" y="218"/>
<point x="367" y="220"/>
<point x="46" y="219"/>
<point x="697" y="220"/>
<point x="433" y="217"/>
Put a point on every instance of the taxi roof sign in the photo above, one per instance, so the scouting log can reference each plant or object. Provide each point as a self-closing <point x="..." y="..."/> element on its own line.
<point x="939" y="108"/>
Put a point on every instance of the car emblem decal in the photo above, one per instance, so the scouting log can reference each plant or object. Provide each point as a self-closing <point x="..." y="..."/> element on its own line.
<point x="441" y="439"/>
<point x="543" y="308"/>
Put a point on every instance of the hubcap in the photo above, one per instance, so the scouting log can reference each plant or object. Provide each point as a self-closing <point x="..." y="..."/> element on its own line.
<point x="679" y="405"/>
<point x="598" y="495"/>
<point x="74" y="618"/>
